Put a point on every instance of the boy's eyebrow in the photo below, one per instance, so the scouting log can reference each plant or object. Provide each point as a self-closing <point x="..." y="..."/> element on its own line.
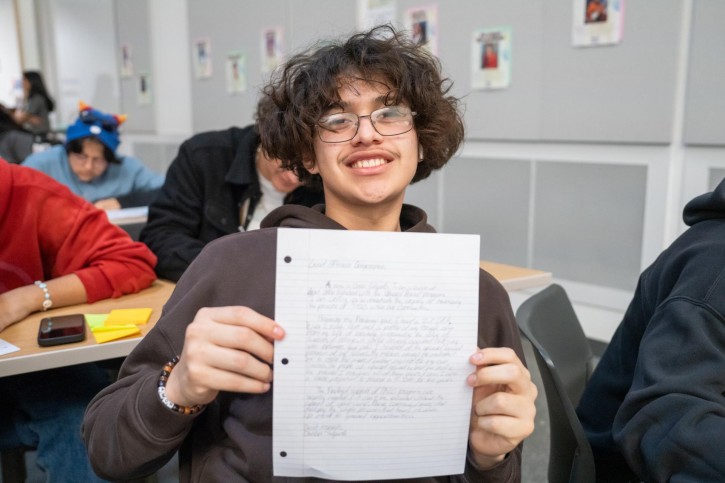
<point x="380" y="100"/>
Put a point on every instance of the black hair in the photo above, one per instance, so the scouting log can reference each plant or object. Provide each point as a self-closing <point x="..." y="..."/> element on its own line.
<point x="76" y="146"/>
<point x="37" y="86"/>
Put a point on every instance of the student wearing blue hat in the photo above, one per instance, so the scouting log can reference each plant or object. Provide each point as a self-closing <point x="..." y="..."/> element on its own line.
<point x="89" y="166"/>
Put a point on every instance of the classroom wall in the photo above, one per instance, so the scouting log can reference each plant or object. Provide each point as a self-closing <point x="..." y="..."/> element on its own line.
<point x="10" y="65"/>
<point x="79" y="40"/>
<point x="580" y="167"/>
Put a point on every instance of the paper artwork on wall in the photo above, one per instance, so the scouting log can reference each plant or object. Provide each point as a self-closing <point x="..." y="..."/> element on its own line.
<point x="491" y="58"/>
<point x="272" y="43"/>
<point x="375" y="12"/>
<point x="236" y="68"/>
<point x="597" y="22"/>
<point x="422" y="23"/>
<point x="126" y="61"/>
<point x="143" y="96"/>
<point x="201" y="55"/>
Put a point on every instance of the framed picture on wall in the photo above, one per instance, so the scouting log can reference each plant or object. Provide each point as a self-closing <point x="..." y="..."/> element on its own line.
<point x="126" y="61"/>
<point x="491" y="58"/>
<point x="422" y="23"/>
<point x="597" y="22"/>
<point x="201" y="57"/>
<point x="272" y="48"/>
<point x="236" y="70"/>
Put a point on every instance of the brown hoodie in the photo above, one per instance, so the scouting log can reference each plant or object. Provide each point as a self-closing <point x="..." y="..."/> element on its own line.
<point x="130" y="434"/>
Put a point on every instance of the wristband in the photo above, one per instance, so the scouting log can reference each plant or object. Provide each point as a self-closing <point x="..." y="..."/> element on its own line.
<point x="168" y="367"/>
<point x="47" y="301"/>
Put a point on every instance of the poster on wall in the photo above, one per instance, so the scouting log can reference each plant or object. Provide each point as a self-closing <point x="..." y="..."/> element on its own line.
<point x="126" y="61"/>
<point x="272" y="49"/>
<point x="236" y="67"/>
<point x="201" y="55"/>
<point x="422" y="23"/>
<point x="491" y="58"/>
<point x="375" y="12"/>
<point x="597" y="22"/>
<point x="143" y="94"/>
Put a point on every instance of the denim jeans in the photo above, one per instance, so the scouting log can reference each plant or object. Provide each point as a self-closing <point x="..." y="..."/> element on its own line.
<point x="44" y="410"/>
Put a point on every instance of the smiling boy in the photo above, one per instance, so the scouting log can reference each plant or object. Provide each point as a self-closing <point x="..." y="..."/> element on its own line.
<point x="365" y="117"/>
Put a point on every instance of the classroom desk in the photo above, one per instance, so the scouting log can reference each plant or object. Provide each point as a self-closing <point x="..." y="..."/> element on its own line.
<point x="132" y="220"/>
<point x="516" y="278"/>
<point x="31" y="357"/>
<point x="128" y="216"/>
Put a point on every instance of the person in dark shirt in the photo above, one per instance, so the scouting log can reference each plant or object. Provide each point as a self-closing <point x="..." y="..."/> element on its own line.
<point x="220" y="183"/>
<point x="654" y="409"/>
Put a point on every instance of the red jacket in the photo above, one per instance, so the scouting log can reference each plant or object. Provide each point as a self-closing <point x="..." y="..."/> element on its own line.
<point x="46" y="232"/>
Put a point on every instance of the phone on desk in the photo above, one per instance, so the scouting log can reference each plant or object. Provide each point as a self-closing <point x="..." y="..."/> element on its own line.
<point x="62" y="329"/>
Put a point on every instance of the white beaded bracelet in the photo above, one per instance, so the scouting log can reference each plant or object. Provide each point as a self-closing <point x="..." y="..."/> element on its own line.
<point x="47" y="301"/>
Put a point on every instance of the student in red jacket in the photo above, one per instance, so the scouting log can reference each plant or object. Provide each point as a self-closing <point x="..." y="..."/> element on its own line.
<point x="56" y="249"/>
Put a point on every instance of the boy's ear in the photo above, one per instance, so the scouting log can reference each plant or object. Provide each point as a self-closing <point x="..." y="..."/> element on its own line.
<point x="310" y="166"/>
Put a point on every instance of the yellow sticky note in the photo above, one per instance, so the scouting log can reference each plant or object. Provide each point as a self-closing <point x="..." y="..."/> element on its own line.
<point x="128" y="316"/>
<point x="111" y="328"/>
<point x="95" y="320"/>
<point x="109" y="335"/>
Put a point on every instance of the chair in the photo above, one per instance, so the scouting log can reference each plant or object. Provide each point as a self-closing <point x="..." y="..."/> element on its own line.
<point x="13" y="464"/>
<point x="565" y="361"/>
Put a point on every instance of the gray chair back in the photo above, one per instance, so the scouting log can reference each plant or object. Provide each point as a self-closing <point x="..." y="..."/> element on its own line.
<point x="564" y="359"/>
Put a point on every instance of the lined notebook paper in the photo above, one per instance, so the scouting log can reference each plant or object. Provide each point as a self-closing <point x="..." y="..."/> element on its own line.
<point x="369" y="382"/>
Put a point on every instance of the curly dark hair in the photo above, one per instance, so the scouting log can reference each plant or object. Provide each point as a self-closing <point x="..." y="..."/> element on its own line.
<point x="308" y="84"/>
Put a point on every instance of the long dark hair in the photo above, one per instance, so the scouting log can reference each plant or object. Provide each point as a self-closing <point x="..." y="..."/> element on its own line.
<point x="37" y="86"/>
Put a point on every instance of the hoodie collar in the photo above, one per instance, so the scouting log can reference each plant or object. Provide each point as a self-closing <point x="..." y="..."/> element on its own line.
<point x="706" y="207"/>
<point x="412" y="218"/>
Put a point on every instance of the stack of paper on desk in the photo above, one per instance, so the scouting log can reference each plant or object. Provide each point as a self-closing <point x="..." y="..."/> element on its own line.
<point x="370" y="379"/>
<point x="117" y="324"/>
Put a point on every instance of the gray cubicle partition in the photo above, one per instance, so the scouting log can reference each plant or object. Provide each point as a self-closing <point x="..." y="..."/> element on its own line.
<point x="705" y="102"/>
<point x="622" y="93"/>
<point x="582" y="221"/>
<point x="237" y="26"/>
<point x="133" y="29"/>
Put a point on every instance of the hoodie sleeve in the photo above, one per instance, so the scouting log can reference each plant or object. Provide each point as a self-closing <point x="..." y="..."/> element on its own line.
<point x="671" y="424"/>
<point x="101" y="254"/>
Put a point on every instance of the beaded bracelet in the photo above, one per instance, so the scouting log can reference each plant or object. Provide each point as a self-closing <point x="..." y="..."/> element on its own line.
<point x="168" y="367"/>
<point x="47" y="301"/>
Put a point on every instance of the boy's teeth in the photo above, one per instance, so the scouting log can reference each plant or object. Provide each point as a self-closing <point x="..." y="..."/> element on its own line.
<point x="368" y="163"/>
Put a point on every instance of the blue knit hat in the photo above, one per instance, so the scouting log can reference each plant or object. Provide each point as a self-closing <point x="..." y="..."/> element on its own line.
<point x="97" y="124"/>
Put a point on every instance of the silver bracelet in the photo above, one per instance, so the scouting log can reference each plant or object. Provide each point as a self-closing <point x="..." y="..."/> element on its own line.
<point x="47" y="301"/>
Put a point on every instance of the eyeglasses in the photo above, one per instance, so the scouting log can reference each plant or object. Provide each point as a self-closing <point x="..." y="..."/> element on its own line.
<point x="343" y="126"/>
<point x="82" y="159"/>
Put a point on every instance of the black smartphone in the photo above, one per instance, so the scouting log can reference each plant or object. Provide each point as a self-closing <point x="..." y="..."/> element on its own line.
<point x="62" y="329"/>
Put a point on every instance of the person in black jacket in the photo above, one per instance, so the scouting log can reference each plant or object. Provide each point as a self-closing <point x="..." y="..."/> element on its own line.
<point x="654" y="409"/>
<point x="219" y="183"/>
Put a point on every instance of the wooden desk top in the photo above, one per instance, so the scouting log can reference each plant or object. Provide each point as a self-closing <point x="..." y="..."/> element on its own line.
<point x="32" y="357"/>
<point x="516" y="278"/>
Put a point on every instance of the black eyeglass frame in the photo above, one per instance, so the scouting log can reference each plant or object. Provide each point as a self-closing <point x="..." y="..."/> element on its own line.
<point x="369" y="116"/>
